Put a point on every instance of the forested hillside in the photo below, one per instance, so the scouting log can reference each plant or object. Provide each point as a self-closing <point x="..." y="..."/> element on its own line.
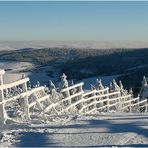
<point x="78" y="64"/>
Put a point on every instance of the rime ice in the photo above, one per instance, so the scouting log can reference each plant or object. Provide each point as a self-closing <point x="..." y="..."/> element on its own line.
<point x="20" y="101"/>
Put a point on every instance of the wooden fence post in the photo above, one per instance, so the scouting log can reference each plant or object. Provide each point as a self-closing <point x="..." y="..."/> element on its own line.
<point x="26" y="103"/>
<point x="3" y="115"/>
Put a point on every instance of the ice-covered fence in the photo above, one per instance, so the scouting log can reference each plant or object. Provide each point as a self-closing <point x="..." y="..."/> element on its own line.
<point x="74" y="99"/>
<point x="67" y="100"/>
<point x="11" y="92"/>
<point x="19" y="100"/>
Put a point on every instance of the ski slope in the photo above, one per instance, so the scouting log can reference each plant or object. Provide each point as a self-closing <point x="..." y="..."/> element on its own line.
<point x="97" y="130"/>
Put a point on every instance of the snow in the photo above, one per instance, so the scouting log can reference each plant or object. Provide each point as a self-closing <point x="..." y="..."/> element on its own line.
<point x="42" y="75"/>
<point x="14" y="70"/>
<point x="105" y="80"/>
<point x="91" y="130"/>
<point x="106" y="129"/>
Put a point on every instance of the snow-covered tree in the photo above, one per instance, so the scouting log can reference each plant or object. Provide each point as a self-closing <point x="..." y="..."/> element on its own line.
<point x="51" y="86"/>
<point x="121" y="87"/>
<point x="92" y="87"/>
<point x="54" y="95"/>
<point x="115" y="85"/>
<point x="64" y="82"/>
<point x="131" y="91"/>
<point x="99" y="85"/>
<point x="144" y="89"/>
<point x="144" y="82"/>
<point x="110" y="86"/>
<point x="38" y="83"/>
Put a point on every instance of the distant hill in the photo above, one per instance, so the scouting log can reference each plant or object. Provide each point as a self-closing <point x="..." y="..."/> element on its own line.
<point x="14" y="45"/>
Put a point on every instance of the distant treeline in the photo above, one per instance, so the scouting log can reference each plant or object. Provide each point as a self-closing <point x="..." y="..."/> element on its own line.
<point x="45" y="55"/>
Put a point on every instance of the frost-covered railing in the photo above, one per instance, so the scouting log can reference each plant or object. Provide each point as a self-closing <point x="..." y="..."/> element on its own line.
<point x="19" y="100"/>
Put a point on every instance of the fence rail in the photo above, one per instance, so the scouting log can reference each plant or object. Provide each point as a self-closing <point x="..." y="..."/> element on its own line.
<point x="20" y="100"/>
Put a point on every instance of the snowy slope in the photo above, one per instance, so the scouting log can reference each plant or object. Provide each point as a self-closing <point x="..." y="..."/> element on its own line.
<point x="105" y="81"/>
<point x="107" y="129"/>
<point x="81" y="131"/>
<point x="14" y="70"/>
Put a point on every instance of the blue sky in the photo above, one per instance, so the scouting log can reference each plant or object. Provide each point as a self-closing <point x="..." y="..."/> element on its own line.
<point x="100" y="21"/>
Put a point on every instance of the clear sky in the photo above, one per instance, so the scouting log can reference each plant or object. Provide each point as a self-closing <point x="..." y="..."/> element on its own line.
<point x="74" y="21"/>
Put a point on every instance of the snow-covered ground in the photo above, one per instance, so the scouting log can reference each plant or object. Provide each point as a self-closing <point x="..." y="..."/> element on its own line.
<point x="104" y="129"/>
<point x="108" y="129"/>
<point x="14" y="70"/>
<point x="105" y="81"/>
<point x="14" y="66"/>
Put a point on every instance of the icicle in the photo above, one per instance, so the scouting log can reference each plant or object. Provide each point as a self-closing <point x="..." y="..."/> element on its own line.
<point x="144" y="82"/>
<point x="99" y="85"/>
<point x="121" y="87"/>
<point x="64" y="82"/>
